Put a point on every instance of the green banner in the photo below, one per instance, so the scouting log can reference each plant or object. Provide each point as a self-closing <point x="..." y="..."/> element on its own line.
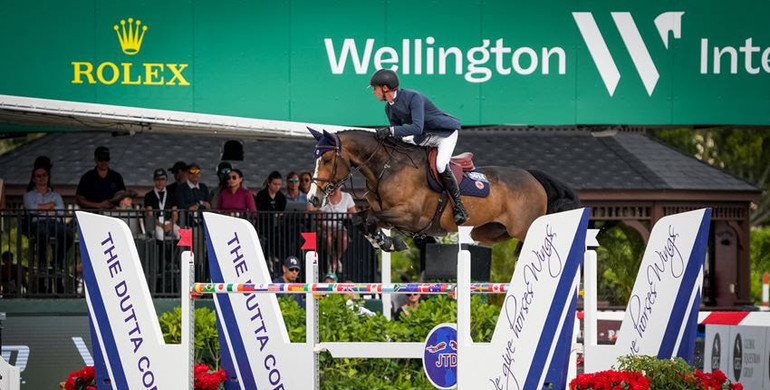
<point x="486" y="62"/>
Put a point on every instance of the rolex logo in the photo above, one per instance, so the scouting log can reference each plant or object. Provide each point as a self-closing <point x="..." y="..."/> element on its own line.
<point x="131" y="39"/>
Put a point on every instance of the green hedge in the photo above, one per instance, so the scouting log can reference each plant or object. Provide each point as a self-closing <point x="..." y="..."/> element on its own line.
<point x="340" y="324"/>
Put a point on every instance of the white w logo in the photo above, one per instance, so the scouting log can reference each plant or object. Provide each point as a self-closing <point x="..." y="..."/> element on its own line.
<point x="665" y="22"/>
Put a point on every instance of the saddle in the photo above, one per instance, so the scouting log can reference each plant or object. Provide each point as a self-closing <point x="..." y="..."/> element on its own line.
<point x="471" y="181"/>
<point x="460" y="163"/>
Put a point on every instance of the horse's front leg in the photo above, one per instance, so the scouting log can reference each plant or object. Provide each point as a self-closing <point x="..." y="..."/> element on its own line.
<point x="369" y="224"/>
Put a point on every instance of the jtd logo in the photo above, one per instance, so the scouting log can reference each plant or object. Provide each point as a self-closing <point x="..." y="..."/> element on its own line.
<point x="632" y="39"/>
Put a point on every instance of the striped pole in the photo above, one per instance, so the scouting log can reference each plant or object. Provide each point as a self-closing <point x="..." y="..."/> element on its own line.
<point x="766" y="290"/>
<point x="345" y="288"/>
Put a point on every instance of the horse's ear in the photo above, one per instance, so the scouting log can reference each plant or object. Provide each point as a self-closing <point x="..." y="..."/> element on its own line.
<point x="316" y="134"/>
<point x="332" y="139"/>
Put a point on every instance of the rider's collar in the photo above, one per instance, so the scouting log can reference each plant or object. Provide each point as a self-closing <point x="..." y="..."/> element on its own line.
<point x="395" y="95"/>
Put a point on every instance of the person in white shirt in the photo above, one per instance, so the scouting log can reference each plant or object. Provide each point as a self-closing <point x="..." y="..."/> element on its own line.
<point x="335" y="232"/>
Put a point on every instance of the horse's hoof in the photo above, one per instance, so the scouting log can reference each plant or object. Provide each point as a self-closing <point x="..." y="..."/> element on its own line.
<point x="399" y="244"/>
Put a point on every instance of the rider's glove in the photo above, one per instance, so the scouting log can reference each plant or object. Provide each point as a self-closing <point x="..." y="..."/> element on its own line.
<point x="382" y="133"/>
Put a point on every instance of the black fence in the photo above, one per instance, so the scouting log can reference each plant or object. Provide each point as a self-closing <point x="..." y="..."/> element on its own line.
<point x="41" y="256"/>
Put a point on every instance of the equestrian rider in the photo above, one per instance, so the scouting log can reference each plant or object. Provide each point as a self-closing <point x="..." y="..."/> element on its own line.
<point x="411" y="113"/>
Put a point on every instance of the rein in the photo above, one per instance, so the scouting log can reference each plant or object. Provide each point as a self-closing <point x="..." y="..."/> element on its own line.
<point x="332" y="186"/>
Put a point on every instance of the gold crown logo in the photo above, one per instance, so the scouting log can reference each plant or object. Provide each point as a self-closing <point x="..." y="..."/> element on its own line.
<point x="131" y="40"/>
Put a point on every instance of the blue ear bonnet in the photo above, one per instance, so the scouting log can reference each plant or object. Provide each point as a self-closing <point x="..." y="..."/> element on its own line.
<point x="326" y="141"/>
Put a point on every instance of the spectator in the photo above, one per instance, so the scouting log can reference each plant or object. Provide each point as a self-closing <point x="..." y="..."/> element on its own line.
<point x="330" y="277"/>
<point x="291" y="267"/>
<point x="158" y="207"/>
<point x="99" y="185"/>
<point x="352" y="303"/>
<point x="235" y="197"/>
<point x="124" y="209"/>
<point x="270" y="200"/>
<point x="306" y="179"/>
<point x="223" y="173"/>
<point x="334" y="230"/>
<point x="11" y="274"/>
<point x="192" y="195"/>
<point x="179" y="170"/>
<point x="293" y="193"/>
<point x="46" y="209"/>
<point x="398" y="300"/>
<point x="162" y="218"/>
<point x="413" y="301"/>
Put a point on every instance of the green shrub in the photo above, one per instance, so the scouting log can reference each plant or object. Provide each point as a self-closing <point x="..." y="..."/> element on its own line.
<point x="206" y="333"/>
<point x="662" y="373"/>
<point x="760" y="260"/>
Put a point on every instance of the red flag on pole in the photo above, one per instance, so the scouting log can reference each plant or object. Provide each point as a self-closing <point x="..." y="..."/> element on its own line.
<point x="185" y="238"/>
<point x="309" y="244"/>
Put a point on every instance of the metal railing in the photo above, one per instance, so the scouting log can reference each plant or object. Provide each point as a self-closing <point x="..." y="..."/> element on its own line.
<point x="41" y="256"/>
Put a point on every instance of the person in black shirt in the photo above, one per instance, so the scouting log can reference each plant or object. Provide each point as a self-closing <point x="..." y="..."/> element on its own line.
<point x="158" y="204"/>
<point x="193" y="195"/>
<point x="97" y="186"/>
<point x="179" y="170"/>
<point x="270" y="200"/>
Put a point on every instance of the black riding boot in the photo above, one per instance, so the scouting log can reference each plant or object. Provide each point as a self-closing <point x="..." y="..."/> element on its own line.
<point x="450" y="184"/>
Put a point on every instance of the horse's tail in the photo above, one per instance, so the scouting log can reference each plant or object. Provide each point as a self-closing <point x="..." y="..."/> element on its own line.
<point x="561" y="197"/>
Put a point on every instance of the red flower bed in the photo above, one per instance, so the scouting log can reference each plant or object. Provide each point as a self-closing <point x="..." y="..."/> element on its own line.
<point x="716" y="380"/>
<point x="610" y="380"/>
<point x="83" y="379"/>
<point x="205" y="379"/>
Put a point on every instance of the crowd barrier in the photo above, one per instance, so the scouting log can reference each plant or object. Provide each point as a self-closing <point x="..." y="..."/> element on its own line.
<point x="532" y="345"/>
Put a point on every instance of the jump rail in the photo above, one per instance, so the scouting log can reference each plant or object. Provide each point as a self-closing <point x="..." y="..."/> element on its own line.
<point x="346" y="288"/>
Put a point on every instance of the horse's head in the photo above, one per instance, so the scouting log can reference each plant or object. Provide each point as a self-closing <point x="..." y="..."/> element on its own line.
<point x="331" y="167"/>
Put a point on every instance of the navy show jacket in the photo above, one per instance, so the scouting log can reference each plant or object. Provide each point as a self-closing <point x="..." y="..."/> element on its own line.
<point x="412" y="113"/>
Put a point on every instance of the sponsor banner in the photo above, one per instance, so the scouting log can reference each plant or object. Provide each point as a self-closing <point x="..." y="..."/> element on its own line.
<point x="123" y="318"/>
<point x="440" y="359"/>
<point x="490" y="62"/>
<point x="747" y="361"/>
<point x="715" y="356"/>
<point x="661" y="317"/>
<point x="766" y="356"/>
<point x="255" y="346"/>
<point x="537" y="307"/>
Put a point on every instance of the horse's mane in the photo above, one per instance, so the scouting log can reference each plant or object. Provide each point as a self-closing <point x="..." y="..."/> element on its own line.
<point x="391" y="144"/>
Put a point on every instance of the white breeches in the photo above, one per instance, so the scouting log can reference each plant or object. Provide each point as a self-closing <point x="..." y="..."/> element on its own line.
<point x="445" y="145"/>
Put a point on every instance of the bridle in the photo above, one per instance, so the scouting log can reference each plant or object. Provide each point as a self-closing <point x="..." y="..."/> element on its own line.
<point x="332" y="185"/>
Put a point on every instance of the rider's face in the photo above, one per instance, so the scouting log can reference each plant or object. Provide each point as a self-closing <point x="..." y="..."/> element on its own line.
<point x="379" y="92"/>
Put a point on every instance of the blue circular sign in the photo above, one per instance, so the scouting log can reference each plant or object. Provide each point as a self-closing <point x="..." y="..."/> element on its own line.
<point x="440" y="358"/>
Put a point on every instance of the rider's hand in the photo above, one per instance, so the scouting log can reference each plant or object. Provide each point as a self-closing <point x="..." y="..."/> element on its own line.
<point x="382" y="133"/>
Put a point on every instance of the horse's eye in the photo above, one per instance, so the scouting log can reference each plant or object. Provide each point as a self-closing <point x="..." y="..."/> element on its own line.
<point x="326" y="160"/>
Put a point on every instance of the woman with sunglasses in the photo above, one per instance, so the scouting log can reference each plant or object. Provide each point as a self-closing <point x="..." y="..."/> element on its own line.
<point x="305" y="179"/>
<point x="235" y="197"/>
<point x="293" y="193"/>
<point x="412" y="302"/>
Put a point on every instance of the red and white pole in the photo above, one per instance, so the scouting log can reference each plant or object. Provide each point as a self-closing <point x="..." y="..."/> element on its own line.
<point x="766" y="290"/>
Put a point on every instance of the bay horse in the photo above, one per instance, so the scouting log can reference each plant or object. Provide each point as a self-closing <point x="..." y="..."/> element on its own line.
<point x="399" y="196"/>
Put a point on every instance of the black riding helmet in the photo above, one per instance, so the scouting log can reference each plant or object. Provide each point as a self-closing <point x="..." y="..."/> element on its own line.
<point x="384" y="77"/>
